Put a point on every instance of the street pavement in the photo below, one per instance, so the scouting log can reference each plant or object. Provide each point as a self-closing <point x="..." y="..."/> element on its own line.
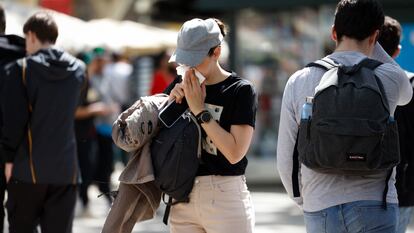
<point x="275" y="213"/>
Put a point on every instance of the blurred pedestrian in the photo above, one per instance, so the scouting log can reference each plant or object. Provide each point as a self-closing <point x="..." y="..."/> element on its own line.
<point x="390" y="40"/>
<point x="12" y="47"/>
<point x="38" y="142"/>
<point x="89" y="108"/>
<point x="101" y="84"/>
<point x="118" y="73"/>
<point x="334" y="202"/>
<point x="225" y="107"/>
<point x="164" y="73"/>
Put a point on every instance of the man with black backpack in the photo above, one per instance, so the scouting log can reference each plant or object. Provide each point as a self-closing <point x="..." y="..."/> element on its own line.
<point x="338" y="143"/>
<point x="390" y="40"/>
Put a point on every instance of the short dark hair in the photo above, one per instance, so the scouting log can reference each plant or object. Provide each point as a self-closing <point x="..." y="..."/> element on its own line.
<point x="390" y="35"/>
<point x="43" y="25"/>
<point x="2" y="20"/>
<point x="223" y="30"/>
<point x="358" y="19"/>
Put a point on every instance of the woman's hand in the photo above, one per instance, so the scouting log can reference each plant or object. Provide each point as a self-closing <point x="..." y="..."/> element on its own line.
<point x="177" y="93"/>
<point x="194" y="93"/>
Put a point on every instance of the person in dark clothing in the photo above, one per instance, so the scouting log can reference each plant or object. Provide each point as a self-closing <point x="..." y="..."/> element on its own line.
<point x="225" y="107"/>
<point x="390" y="40"/>
<point x="41" y="94"/>
<point x="85" y="131"/>
<point x="85" y="134"/>
<point x="103" y="124"/>
<point x="12" y="47"/>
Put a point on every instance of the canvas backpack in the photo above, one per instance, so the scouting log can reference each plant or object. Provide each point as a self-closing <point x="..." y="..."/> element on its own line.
<point x="176" y="154"/>
<point x="350" y="131"/>
<point x="139" y="123"/>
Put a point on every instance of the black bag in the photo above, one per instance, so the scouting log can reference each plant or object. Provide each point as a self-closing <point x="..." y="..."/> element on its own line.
<point x="176" y="154"/>
<point x="405" y="170"/>
<point x="350" y="131"/>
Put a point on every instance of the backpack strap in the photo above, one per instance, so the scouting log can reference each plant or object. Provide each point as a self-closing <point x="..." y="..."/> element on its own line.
<point x="384" y="194"/>
<point x="370" y="63"/>
<point x="193" y="118"/>
<point x="167" y="209"/>
<point x="325" y="63"/>
<point x="29" y="129"/>
<point x="295" y="170"/>
<point x="168" y="204"/>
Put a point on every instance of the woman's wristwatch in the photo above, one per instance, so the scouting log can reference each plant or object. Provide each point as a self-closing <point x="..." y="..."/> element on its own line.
<point x="204" y="117"/>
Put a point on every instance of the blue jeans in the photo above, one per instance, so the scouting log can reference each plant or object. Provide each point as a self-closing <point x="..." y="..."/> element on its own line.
<point x="406" y="214"/>
<point x="353" y="217"/>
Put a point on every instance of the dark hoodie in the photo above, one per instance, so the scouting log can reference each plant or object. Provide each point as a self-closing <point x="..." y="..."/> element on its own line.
<point x="54" y="82"/>
<point x="12" y="47"/>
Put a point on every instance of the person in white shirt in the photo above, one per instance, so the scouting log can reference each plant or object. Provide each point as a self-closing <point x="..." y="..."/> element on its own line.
<point x="339" y="203"/>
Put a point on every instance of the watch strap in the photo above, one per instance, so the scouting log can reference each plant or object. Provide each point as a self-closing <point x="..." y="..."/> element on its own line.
<point x="198" y="116"/>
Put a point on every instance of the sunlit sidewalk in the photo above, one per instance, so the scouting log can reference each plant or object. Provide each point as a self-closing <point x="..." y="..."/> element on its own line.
<point x="274" y="213"/>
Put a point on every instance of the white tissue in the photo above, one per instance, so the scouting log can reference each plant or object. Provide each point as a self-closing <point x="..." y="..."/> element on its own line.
<point x="183" y="68"/>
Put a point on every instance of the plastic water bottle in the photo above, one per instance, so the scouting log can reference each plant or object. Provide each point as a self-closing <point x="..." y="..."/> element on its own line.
<point x="307" y="109"/>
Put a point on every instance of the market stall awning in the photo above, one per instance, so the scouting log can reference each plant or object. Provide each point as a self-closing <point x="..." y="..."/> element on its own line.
<point x="129" y="36"/>
<point x="76" y="35"/>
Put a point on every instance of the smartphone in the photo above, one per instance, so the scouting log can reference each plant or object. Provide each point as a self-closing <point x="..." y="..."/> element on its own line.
<point x="172" y="112"/>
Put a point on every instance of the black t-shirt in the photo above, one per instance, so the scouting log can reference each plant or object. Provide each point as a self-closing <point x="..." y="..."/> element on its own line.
<point x="84" y="128"/>
<point x="231" y="102"/>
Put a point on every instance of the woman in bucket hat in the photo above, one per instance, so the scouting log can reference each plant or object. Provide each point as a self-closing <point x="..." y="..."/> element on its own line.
<point x="225" y="106"/>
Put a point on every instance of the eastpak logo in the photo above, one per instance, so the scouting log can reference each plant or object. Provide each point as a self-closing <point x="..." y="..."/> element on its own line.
<point x="356" y="156"/>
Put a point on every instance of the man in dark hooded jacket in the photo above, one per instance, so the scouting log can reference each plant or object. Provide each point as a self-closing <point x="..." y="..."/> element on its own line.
<point x="38" y="143"/>
<point x="12" y="47"/>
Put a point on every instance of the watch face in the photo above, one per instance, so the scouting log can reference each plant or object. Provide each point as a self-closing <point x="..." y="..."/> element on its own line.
<point x="205" y="117"/>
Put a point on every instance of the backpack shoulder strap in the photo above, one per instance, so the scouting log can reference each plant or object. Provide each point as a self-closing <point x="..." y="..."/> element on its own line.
<point x="324" y="63"/>
<point x="29" y="130"/>
<point x="370" y="63"/>
<point x="24" y="80"/>
<point x="167" y="209"/>
<point x="296" y="170"/>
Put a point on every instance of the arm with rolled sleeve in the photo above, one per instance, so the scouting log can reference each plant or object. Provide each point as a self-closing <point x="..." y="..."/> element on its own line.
<point x="15" y="113"/>
<point x="288" y="128"/>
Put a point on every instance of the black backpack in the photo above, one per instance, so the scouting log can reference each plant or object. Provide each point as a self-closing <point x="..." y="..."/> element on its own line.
<point x="176" y="154"/>
<point x="350" y="131"/>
